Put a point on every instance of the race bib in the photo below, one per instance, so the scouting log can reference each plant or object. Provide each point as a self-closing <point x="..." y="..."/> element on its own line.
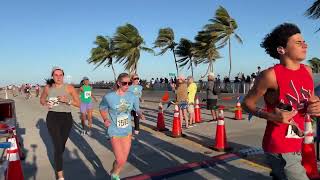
<point x="122" y="121"/>
<point x="53" y="101"/>
<point x="291" y="133"/>
<point x="87" y="94"/>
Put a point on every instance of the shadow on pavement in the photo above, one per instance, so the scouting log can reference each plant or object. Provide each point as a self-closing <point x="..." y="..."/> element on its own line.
<point x="44" y="134"/>
<point x="85" y="148"/>
<point x="73" y="164"/>
<point x="151" y="154"/>
<point x="31" y="169"/>
<point x="209" y="142"/>
<point x="148" y="154"/>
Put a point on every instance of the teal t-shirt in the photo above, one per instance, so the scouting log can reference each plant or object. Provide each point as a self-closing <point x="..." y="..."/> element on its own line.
<point x="85" y="95"/>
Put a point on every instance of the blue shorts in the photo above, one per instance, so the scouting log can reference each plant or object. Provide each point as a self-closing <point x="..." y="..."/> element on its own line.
<point x="183" y="105"/>
<point x="84" y="107"/>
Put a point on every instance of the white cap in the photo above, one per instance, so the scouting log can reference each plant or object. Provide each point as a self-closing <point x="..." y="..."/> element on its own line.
<point x="56" y="68"/>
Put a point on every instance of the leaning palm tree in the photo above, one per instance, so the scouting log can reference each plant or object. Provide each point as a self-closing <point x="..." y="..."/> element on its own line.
<point x="205" y="50"/>
<point x="315" y="64"/>
<point x="127" y="44"/>
<point x="103" y="53"/>
<point x="223" y="27"/>
<point x="184" y="51"/>
<point x="165" y="41"/>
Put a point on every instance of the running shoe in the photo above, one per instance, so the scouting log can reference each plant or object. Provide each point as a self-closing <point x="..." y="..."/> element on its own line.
<point x="83" y="132"/>
<point x="89" y="132"/>
<point x="115" y="177"/>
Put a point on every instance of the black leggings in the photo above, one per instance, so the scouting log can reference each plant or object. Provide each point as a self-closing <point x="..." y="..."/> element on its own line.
<point x="136" y="120"/>
<point x="59" y="125"/>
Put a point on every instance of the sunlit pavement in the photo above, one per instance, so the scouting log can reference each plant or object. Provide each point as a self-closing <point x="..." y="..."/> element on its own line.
<point x="154" y="155"/>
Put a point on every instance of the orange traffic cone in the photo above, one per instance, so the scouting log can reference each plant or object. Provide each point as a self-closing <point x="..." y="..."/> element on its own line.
<point x="4" y="128"/>
<point x="165" y="97"/>
<point x="160" y="120"/>
<point x="176" y="127"/>
<point x="309" y="161"/>
<point x="221" y="137"/>
<point x="12" y="129"/>
<point x="14" y="170"/>
<point x="238" y="111"/>
<point x="197" y="111"/>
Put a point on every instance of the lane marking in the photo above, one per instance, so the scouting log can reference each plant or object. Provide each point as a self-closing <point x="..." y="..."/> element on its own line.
<point x="256" y="165"/>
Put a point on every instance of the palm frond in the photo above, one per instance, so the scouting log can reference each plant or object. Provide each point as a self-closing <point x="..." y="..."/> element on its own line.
<point x="165" y="39"/>
<point x="164" y="50"/>
<point x="314" y="11"/>
<point x="238" y="38"/>
<point x="127" y="46"/>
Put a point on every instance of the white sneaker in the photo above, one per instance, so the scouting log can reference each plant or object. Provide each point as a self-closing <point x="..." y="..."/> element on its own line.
<point x="83" y="132"/>
<point x="89" y="132"/>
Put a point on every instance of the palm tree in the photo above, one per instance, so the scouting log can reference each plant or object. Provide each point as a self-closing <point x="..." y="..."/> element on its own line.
<point x="127" y="44"/>
<point x="185" y="52"/>
<point x="103" y="53"/>
<point x="205" y="50"/>
<point x="165" y="41"/>
<point x="314" y="11"/>
<point x="223" y="27"/>
<point x="315" y="64"/>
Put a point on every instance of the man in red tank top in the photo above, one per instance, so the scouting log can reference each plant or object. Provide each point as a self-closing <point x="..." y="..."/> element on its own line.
<point x="287" y="84"/>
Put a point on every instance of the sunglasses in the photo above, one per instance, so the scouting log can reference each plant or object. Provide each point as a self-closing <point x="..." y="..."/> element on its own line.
<point x="136" y="78"/>
<point x="301" y="43"/>
<point x="126" y="83"/>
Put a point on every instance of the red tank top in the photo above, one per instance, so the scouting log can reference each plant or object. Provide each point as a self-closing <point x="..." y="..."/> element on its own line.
<point x="296" y="87"/>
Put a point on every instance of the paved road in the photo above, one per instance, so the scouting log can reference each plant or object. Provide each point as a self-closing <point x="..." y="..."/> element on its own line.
<point x="154" y="154"/>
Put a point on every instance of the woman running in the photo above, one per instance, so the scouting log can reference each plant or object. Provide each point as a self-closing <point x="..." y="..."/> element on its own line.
<point x="136" y="89"/>
<point x="58" y="98"/>
<point x="115" y="110"/>
<point x="86" y="106"/>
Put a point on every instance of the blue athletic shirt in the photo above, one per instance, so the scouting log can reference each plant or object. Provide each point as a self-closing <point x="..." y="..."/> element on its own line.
<point x="136" y="90"/>
<point x="119" y="110"/>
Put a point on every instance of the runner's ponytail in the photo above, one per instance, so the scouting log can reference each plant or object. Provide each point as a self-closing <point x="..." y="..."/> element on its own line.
<point x="49" y="82"/>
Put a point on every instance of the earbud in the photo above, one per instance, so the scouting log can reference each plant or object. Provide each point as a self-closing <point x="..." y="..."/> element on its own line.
<point x="280" y="50"/>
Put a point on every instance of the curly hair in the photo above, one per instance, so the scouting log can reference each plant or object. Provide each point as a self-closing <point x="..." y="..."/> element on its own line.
<point x="279" y="37"/>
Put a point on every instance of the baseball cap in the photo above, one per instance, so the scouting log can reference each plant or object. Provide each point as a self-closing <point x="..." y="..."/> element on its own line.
<point x="85" y="78"/>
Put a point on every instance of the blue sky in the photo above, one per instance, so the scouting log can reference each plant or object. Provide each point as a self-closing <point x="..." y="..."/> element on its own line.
<point x="36" y="35"/>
